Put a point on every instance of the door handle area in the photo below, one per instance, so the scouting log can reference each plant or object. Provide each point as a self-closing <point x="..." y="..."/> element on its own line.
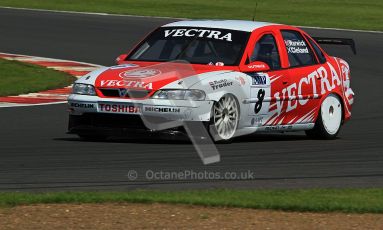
<point x="285" y="82"/>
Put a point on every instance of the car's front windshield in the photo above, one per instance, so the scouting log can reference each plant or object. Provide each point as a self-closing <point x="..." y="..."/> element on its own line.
<point x="195" y="45"/>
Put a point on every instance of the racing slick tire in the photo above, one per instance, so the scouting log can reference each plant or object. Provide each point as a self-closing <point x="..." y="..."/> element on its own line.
<point x="329" y="121"/>
<point x="224" y="119"/>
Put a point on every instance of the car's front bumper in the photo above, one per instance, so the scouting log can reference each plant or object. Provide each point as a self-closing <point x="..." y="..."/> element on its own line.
<point x="92" y="114"/>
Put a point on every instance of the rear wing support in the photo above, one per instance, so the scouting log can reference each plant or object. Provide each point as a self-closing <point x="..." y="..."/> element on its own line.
<point x="336" y="41"/>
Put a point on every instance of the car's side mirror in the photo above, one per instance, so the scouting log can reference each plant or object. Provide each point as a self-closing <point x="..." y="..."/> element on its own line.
<point x="121" y="58"/>
<point x="256" y="66"/>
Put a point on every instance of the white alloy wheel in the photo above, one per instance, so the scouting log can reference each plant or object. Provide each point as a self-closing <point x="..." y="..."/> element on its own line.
<point x="225" y="117"/>
<point x="329" y="119"/>
<point x="331" y="113"/>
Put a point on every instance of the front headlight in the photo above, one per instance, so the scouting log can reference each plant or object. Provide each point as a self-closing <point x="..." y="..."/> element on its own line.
<point x="180" y="94"/>
<point x="84" y="89"/>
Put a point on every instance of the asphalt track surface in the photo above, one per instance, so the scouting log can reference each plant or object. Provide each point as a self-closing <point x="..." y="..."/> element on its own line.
<point x="37" y="154"/>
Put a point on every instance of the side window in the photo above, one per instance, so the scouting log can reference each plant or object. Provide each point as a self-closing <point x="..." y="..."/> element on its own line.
<point x="317" y="50"/>
<point x="266" y="50"/>
<point x="298" y="51"/>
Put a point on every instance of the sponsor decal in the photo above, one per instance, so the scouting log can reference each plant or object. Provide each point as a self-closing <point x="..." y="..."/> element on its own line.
<point x="119" y="108"/>
<point x="241" y="80"/>
<point x="220" y="84"/>
<point x="279" y="128"/>
<point x="296" y="47"/>
<point x="81" y="105"/>
<point x="141" y="73"/>
<point x="162" y="109"/>
<point x="259" y="80"/>
<point x="329" y="80"/>
<point x="126" y="83"/>
<point x="202" y="33"/>
<point x="257" y="121"/>
<point x="123" y="66"/>
<point x="257" y="66"/>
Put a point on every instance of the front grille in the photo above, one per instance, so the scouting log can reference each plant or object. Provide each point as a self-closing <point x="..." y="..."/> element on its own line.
<point x="124" y="93"/>
<point x="110" y="92"/>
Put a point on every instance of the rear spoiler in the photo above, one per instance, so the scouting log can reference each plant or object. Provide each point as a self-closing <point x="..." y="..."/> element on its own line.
<point x="337" y="41"/>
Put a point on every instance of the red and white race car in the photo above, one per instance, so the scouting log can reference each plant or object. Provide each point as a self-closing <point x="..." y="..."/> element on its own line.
<point x="236" y="77"/>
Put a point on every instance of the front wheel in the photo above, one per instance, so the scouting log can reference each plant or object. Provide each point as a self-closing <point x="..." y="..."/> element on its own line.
<point x="225" y="117"/>
<point x="329" y="120"/>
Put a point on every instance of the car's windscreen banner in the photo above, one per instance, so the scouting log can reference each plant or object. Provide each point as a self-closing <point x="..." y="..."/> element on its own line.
<point x="204" y="33"/>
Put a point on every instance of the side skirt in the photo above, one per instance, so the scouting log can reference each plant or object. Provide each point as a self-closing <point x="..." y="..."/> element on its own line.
<point x="276" y="128"/>
<point x="286" y="128"/>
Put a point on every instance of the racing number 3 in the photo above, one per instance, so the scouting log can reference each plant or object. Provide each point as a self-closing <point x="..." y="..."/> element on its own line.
<point x="258" y="104"/>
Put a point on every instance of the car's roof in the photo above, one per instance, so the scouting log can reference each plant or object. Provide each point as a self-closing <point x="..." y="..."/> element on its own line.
<point x="241" y="25"/>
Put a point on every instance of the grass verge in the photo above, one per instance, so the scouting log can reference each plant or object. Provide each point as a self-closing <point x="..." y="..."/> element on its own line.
<point x="19" y="78"/>
<point x="314" y="200"/>
<point x="351" y="14"/>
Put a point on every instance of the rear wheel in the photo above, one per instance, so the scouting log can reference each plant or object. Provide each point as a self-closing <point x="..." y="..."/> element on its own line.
<point x="225" y="117"/>
<point x="329" y="120"/>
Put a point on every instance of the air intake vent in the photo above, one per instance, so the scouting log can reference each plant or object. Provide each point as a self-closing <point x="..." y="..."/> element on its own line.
<point x="125" y="93"/>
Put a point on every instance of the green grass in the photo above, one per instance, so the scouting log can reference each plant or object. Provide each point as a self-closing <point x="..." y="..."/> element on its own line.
<point x="19" y="78"/>
<point x="352" y="14"/>
<point x="315" y="200"/>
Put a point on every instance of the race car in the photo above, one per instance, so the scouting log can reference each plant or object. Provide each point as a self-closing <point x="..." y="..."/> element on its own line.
<point x="235" y="77"/>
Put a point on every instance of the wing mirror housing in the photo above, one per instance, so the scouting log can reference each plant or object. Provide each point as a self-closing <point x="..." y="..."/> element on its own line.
<point x="121" y="58"/>
<point x="256" y="66"/>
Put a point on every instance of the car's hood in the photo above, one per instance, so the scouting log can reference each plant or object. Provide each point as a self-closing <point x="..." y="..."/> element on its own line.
<point x="141" y="76"/>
